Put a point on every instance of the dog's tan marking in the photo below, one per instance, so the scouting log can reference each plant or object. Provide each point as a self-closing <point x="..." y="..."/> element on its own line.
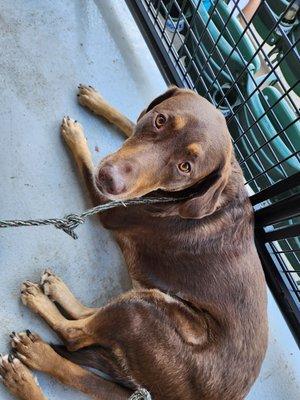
<point x="194" y="149"/>
<point x="179" y="122"/>
<point x="128" y="150"/>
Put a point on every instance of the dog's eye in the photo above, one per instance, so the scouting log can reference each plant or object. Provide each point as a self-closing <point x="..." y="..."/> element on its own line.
<point x="160" y="120"/>
<point x="185" y="167"/>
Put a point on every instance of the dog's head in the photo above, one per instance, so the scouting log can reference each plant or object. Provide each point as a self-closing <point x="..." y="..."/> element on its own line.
<point x="179" y="140"/>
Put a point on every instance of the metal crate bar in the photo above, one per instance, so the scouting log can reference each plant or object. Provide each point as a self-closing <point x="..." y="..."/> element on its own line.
<point x="276" y="189"/>
<point x="281" y="233"/>
<point x="280" y="285"/>
<point x="279" y="211"/>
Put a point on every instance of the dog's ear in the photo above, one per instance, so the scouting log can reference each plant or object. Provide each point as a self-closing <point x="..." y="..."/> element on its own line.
<point x="210" y="200"/>
<point x="172" y="91"/>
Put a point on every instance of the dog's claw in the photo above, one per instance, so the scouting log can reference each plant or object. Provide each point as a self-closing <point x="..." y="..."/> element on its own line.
<point x="48" y="271"/>
<point x="28" y="332"/>
<point x="27" y="283"/>
<point x="10" y="358"/>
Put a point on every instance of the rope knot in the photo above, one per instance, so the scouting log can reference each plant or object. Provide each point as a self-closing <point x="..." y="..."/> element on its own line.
<point x="69" y="224"/>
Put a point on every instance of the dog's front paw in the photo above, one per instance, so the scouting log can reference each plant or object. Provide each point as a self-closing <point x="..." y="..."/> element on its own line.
<point x="72" y="132"/>
<point x="90" y="98"/>
<point x="18" y="379"/>
<point x="54" y="287"/>
<point x="33" y="297"/>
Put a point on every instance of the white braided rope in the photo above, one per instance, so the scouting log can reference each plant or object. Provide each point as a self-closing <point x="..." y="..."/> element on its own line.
<point x="141" y="394"/>
<point x="71" y="221"/>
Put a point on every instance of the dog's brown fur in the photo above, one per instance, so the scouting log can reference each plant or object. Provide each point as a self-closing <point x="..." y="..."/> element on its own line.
<point x="195" y="325"/>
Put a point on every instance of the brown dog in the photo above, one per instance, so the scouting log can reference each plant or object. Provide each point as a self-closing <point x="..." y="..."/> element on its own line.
<point x="195" y="325"/>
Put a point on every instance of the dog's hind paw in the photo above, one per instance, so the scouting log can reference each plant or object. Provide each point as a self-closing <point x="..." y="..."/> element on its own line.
<point x="32" y="350"/>
<point x="18" y="379"/>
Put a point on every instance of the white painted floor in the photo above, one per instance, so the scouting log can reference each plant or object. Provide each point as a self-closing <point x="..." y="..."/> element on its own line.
<point x="46" y="49"/>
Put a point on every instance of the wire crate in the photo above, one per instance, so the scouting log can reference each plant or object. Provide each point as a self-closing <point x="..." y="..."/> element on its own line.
<point x="246" y="61"/>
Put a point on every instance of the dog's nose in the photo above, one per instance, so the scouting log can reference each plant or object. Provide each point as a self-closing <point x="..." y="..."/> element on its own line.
<point x="111" y="179"/>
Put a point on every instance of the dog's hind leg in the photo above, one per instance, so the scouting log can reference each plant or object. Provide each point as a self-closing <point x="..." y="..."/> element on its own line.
<point x="59" y="292"/>
<point x="19" y="380"/>
<point x="90" y="98"/>
<point x="37" y="354"/>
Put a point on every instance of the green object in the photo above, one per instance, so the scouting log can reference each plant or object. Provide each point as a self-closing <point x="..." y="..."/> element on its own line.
<point x="290" y="64"/>
<point x="264" y="25"/>
<point x="290" y="25"/>
<point x="213" y="42"/>
<point x="286" y="116"/>
<point x="267" y="127"/>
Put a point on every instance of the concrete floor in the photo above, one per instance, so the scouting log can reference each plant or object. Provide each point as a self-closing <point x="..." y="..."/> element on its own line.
<point x="47" y="48"/>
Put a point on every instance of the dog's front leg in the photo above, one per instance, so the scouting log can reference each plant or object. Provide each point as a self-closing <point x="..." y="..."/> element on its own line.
<point x="59" y="292"/>
<point x="74" y="137"/>
<point x="90" y="98"/>
<point x="75" y="334"/>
